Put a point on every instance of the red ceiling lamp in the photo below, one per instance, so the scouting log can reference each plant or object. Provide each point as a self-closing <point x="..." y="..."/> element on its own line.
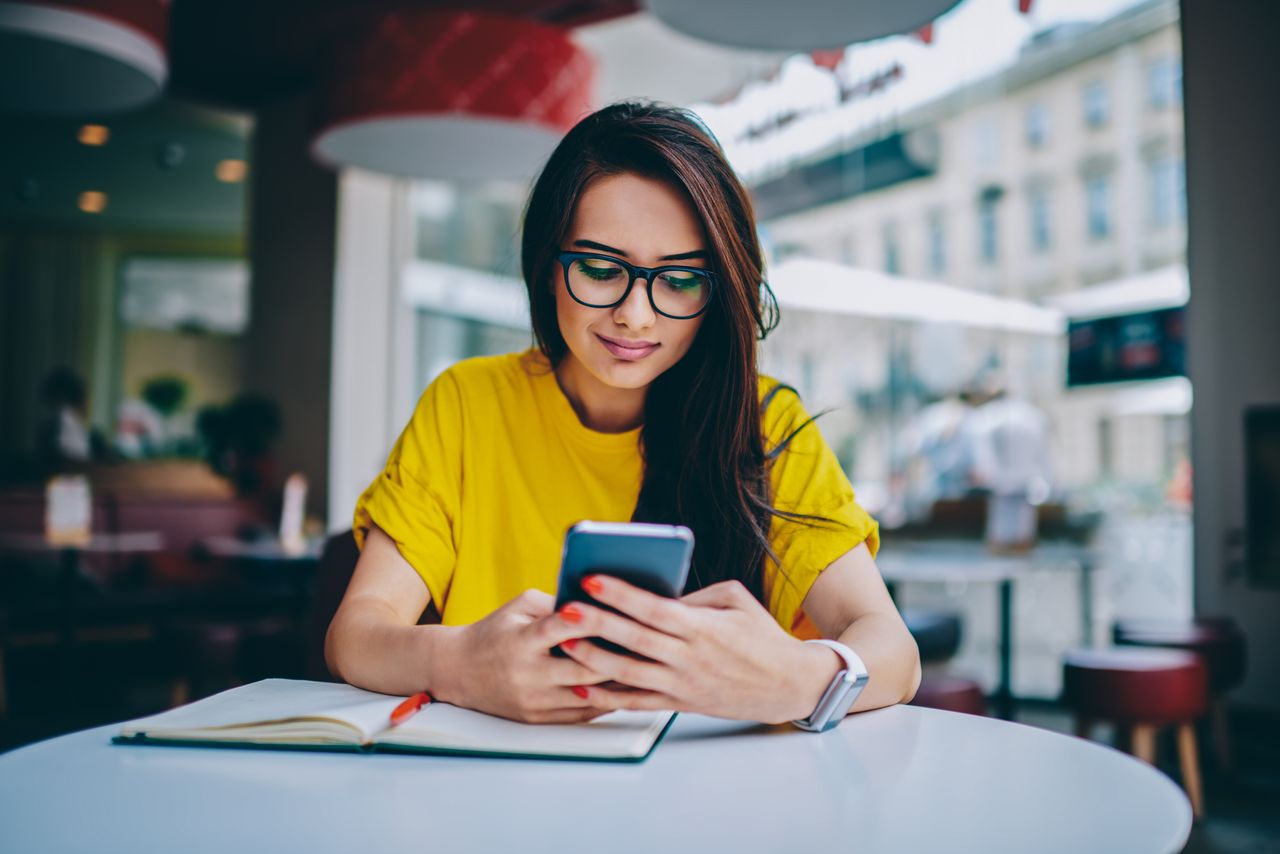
<point x="453" y="95"/>
<point x="82" y="57"/>
<point x="800" y="25"/>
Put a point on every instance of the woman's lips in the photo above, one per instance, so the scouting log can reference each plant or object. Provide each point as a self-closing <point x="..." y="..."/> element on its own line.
<point x="629" y="354"/>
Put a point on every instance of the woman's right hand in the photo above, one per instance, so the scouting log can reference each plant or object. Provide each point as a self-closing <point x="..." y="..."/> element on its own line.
<point x="502" y="665"/>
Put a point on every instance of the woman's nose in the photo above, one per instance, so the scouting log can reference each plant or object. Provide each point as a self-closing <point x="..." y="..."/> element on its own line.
<point x="635" y="311"/>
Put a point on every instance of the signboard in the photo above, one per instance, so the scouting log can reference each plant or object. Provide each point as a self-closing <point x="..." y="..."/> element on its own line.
<point x="1142" y="346"/>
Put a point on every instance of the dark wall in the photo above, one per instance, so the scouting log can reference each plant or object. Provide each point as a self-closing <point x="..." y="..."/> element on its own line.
<point x="1231" y="73"/>
<point x="292" y="227"/>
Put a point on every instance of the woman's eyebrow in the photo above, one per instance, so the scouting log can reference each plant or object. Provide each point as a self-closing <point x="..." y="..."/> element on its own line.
<point x="591" y="244"/>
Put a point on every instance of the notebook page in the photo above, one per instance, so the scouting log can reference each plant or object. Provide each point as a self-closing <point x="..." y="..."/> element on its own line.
<point x="256" y="710"/>
<point x="619" y="734"/>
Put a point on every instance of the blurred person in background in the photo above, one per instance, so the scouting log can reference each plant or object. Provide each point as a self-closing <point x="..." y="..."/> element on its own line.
<point x="65" y="441"/>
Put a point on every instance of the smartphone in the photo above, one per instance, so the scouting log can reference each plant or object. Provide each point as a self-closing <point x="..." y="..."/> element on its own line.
<point x="652" y="557"/>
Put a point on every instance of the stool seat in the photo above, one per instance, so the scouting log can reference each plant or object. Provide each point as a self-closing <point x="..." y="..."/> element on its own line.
<point x="1151" y="686"/>
<point x="937" y="633"/>
<point x="951" y="694"/>
<point x="1218" y="639"/>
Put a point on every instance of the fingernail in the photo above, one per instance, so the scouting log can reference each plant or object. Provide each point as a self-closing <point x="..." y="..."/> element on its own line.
<point x="592" y="585"/>
<point x="571" y="614"/>
<point x="570" y="643"/>
<point x="580" y="691"/>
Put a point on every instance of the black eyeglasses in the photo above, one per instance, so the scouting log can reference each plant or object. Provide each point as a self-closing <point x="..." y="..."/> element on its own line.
<point x="602" y="281"/>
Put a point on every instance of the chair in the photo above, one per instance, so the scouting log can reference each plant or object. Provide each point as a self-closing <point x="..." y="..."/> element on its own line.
<point x="938" y="635"/>
<point x="1218" y="640"/>
<point x="1145" y="690"/>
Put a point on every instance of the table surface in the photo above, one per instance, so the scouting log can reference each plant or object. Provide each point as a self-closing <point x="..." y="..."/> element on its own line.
<point x="945" y="560"/>
<point x="129" y="542"/>
<point x="267" y="549"/>
<point x="896" y="779"/>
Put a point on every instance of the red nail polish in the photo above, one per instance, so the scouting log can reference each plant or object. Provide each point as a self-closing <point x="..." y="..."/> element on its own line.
<point x="570" y="643"/>
<point x="580" y="691"/>
<point x="571" y="614"/>
<point x="592" y="585"/>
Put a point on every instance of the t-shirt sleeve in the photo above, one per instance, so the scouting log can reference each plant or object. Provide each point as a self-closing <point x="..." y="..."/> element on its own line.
<point x="416" y="498"/>
<point x="807" y="478"/>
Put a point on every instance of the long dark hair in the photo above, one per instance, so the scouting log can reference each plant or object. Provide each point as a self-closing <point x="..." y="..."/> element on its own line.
<point x="705" y="461"/>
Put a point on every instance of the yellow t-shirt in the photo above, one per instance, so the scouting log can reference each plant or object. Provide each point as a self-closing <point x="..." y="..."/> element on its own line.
<point x="495" y="466"/>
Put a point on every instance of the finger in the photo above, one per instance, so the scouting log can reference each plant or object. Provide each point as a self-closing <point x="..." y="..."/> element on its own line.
<point x="723" y="594"/>
<point x="569" y="716"/>
<point x="666" y="615"/>
<point x="535" y="603"/>
<point x="622" y="668"/>
<point x="566" y="672"/>
<point x="596" y="622"/>
<point x="612" y="699"/>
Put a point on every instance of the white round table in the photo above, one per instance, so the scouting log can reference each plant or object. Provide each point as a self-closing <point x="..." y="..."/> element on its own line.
<point x="896" y="779"/>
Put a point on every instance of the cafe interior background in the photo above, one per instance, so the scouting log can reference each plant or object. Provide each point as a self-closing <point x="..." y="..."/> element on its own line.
<point x="238" y="239"/>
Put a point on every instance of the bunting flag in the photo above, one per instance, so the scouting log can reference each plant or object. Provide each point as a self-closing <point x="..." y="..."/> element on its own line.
<point x="925" y="33"/>
<point x="1024" y="6"/>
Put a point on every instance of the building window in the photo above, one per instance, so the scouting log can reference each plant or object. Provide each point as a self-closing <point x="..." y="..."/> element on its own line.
<point x="1097" y="196"/>
<point x="1038" y="202"/>
<point x="848" y="251"/>
<point x="986" y="143"/>
<point x="892" y="261"/>
<point x="1096" y="104"/>
<point x="1037" y="125"/>
<point x="1168" y="191"/>
<point x="1164" y="82"/>
<point x="987" y="231"/>
<point x="937" y="245"/>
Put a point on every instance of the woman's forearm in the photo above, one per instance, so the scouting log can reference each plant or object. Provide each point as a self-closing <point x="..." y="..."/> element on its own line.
<point x="888" y="650"/>
<point x="368" y="647"/>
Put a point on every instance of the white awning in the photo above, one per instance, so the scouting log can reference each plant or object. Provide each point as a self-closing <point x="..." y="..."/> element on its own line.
<point x="823" y="286"/>
<point x="1150" y="291"/>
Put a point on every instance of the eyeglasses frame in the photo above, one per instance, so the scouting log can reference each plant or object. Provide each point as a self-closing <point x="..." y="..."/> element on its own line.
<point x="635" y="272"/>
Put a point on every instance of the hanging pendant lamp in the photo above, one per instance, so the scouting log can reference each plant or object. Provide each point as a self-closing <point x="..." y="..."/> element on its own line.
<point x="800" y="25"/>
<point x="82" y="57"/>
<point x="453" y="95"/>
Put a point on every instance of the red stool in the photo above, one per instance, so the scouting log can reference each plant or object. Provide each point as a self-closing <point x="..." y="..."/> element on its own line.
<point x="951" y="694"/>
<point x="1218" y="640"/>
<point x="1145" y="690"/>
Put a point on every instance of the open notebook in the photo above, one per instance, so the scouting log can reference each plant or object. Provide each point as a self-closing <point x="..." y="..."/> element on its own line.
<point x="295" y="714"/>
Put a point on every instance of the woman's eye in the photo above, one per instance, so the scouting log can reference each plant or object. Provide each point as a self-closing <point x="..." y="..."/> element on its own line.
<point x="679" y="282"/>
<point x="598" y="271"/>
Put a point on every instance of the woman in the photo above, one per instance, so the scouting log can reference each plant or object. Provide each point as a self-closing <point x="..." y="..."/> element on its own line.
<point x="642" y="401"/>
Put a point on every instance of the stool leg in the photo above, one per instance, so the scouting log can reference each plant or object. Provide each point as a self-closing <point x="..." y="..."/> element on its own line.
<point x="1144" y="743"/>
<point x="1190" y="767"/>
<point x="4" y="700"/>
<point x="1221" y="736"/>
<point x="1083" y="726"/>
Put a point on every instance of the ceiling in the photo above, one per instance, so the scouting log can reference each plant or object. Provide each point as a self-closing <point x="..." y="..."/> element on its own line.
<point x="244" y="53"/>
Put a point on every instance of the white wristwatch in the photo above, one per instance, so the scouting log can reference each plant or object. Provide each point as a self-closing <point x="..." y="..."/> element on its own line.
<point x="840" y="694"/>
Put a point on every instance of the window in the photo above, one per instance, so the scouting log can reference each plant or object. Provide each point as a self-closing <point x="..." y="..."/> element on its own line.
<point x="987" y="235"/>
<point x="1097" y="195"/>
<point x="849" y="250"/>
<point x="1038" y="202"/>
<point x="937" y="245"/>
<point x="1037" y="125"/>
<point x="1097" y="104"/>
<point x="1168" y="191"/>
<point x="986" y="143"/>
<point x="1164" y="82"/>
<point x="892" y="262"/>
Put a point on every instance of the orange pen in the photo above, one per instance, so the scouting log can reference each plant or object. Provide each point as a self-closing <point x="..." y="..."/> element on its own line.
<point x="409" y="707"/>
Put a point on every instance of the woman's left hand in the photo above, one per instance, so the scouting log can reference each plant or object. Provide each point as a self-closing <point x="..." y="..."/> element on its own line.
<point x="716" y="652"/>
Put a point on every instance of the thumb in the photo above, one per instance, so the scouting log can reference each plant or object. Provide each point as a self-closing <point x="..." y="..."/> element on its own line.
<point x="533" y="603"/>
<point x="723" y="594"/>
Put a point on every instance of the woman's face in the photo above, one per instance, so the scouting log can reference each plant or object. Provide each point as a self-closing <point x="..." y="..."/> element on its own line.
<point x="648" y="223"/>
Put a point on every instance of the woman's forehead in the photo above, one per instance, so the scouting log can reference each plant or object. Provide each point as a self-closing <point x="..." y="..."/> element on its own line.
<point x="642" y="218"/>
